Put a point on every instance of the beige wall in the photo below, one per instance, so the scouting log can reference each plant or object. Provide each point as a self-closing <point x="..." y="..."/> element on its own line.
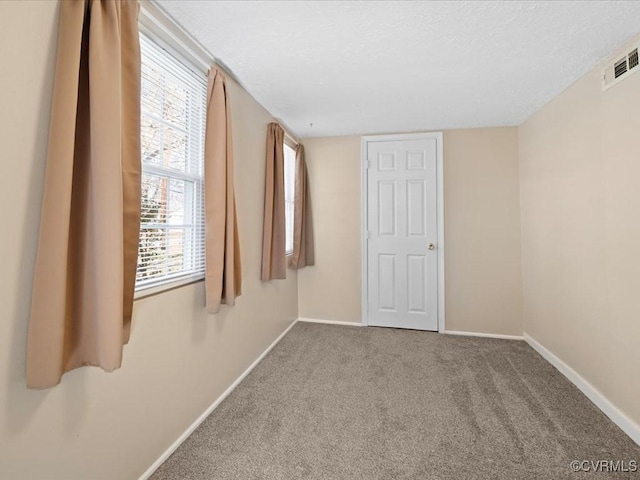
<point x="330" y="290"/>
<point x="113" y="426"/>
<point x="482" y="231"/>
<point x="580" y="196"/>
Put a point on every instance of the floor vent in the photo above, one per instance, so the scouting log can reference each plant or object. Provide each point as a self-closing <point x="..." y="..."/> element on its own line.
<point x="623" y="65"/>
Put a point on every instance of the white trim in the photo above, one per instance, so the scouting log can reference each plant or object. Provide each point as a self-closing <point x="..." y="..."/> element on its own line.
<point x="153" y="19"/>
<point x="365" y="140"/>
<point x="330" y="322"/>
<point x="144" y="292"/>
<point x="627" y="425"/>
<point x="440" y="214"/>
<point x="485" y="335"/>
<point x="364" y="294"/>
<point x="209" y="410"/>
<point x="393" y="137"/>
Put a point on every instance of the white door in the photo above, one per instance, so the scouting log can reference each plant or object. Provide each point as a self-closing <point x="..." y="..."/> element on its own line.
<point x="402" y="236"/>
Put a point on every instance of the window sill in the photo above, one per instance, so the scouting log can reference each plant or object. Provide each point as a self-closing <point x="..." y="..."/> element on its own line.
<point x="155" y="290"/>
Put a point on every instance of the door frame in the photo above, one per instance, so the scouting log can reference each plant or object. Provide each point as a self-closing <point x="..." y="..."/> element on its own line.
<point x="365" y="140"/>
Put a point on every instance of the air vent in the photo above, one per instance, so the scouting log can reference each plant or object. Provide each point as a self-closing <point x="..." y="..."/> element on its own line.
<point x="633" y="58"/>
<point x="625" y="63"/>
<point x="620" y="68"/>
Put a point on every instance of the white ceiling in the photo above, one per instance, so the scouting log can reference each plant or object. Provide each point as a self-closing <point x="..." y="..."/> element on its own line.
<point x="389" y="66"/>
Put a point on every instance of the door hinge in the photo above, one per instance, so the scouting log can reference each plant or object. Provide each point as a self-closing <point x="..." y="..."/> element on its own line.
<point x="367" y="164"/>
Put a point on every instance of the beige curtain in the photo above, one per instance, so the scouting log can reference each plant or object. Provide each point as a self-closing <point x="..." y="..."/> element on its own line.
<point x="274" y="260"/>
<point x="223" y="266"/>
<point x="87" y="253"/>
<point x="303" y="249"/>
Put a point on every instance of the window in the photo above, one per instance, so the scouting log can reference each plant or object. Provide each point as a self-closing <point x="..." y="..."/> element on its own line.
<point x="173" y="103"/>
<point x="289" y="194"/>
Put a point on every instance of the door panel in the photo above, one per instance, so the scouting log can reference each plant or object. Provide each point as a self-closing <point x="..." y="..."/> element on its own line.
<point x="387" y="208"/>
<point x="416" y="208"/>
<point x="387" y="162"/>
<point x="416" y="283"/>
<point x="387" y="282"/>
<point x="402" y="222"/>
<point x="416" y="161"/>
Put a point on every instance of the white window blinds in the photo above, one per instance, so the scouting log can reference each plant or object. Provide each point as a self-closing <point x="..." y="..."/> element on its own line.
<point x="173" y="102"/>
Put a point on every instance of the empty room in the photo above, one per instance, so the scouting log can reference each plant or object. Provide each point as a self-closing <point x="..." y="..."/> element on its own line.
<point x="319" y="240"/>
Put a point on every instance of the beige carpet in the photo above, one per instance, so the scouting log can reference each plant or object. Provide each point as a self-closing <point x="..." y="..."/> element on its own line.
<point x="333" y="402"/>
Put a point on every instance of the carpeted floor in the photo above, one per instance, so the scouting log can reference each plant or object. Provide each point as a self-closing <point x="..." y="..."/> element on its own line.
<point x="333" y="402"/>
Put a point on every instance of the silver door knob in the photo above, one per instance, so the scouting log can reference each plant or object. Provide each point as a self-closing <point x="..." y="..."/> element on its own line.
<point x="432" y="246"/>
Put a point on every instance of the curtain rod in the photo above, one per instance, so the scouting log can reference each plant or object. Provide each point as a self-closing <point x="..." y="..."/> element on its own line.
<point x="286" y="135"/>
<point x="288" y="132"/>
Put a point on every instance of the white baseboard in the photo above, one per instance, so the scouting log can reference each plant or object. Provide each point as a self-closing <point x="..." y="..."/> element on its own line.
<point x="485" y="335"/>
<point x="330" y="322"/>
<point x="627" y="425"/>
<point x="209" y="410"/>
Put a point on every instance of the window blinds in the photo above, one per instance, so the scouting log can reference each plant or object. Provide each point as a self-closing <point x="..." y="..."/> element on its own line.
<point x="173" y="105"/>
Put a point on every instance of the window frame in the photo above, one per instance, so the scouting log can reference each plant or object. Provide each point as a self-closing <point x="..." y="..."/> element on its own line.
<point x="151" y="26"/>
<point x="291" y="232"/>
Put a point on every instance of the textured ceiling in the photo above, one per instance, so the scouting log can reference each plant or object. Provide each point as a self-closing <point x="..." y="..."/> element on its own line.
<point x="381" y="67"/>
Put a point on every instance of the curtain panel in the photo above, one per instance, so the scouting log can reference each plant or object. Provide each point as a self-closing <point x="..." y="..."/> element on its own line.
<point x="223" y="264"/>
<point x="85" y="269"/>
<point x="303" y="247"/>
<point x="274" y="260"/>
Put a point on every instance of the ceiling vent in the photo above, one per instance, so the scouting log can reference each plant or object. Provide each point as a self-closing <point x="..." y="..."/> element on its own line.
<point x="623" y="66"/>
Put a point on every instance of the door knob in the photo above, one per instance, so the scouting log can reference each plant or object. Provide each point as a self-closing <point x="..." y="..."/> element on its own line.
<point x="432" y="246"/>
